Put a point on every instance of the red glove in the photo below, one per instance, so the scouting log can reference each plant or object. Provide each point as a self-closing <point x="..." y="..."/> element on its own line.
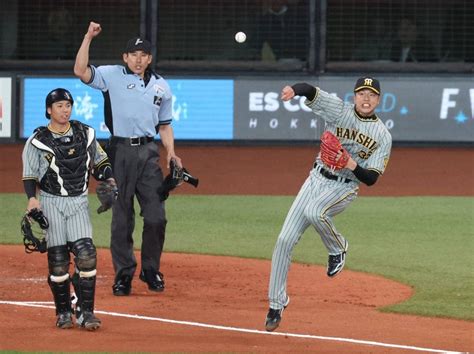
<point x="332" y="153"/>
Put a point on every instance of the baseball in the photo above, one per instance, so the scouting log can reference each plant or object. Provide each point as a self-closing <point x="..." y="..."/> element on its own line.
<point x="240" y="37"/>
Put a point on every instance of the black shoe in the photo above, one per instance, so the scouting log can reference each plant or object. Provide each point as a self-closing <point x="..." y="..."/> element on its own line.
<point x="87" y="320"/>
<point x="154" y="279"/>
<point x="336" y="263"/>
<point x="274" y="317"/>
<point x="123" y="286"/>
<point x="64" y="320"/>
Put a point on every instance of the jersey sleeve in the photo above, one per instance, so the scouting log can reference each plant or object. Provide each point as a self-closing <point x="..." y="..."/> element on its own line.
<point x="378" y="161"/>
<point x="100" y="76"/>
<point x="327" y="106"/>
<point x="31" y="161"/>
<point x="165" y="114"/>
<point x="100" y="155"/>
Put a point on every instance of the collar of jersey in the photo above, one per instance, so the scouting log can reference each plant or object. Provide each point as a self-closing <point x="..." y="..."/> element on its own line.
<point x="371" y="118"/>
<point x="60" y="133"/>
<point x="148" y="73"/>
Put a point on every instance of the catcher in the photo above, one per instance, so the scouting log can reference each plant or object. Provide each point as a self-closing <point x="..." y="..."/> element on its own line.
<point x="355" y="148"/>
<point x="58" y="159"/>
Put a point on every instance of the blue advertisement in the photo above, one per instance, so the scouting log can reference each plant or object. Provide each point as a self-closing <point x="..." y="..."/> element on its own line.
<point x="202" y="109"/>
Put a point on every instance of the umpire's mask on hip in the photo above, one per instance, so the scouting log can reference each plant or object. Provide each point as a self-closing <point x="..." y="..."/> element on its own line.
<point x="57" y="95"/>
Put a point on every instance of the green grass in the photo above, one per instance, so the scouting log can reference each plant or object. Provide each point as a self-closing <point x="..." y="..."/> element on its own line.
<point x="425" y="242"/>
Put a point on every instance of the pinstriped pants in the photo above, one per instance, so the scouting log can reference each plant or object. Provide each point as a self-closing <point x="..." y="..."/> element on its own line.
<point x="69" y="218"/>
<point x="317" y="202"/>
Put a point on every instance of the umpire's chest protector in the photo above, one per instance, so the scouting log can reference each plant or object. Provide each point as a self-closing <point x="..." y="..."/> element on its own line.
<point x="69" y="158"/>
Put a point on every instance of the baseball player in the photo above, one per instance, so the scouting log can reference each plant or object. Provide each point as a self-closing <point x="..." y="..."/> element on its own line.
<point x="59" y="159"/>
<point x="138" y="105"/>
<point x="327" y="192"/>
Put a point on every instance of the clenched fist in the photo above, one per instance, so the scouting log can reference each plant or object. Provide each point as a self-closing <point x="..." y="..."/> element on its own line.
<point x="93" y="30"/>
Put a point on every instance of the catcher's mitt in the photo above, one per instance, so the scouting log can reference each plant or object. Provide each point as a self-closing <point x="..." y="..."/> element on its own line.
<point x="107" y="193"/>
<point x="33" y="229"/>
<point x="332" y="153"/>
<point x="177" y="176"/>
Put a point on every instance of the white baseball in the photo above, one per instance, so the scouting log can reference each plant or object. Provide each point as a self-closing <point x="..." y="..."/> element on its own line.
<point x="240" y="37"/>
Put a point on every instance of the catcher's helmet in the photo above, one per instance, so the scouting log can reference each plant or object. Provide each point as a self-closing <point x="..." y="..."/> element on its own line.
<point x="57" y="95"/>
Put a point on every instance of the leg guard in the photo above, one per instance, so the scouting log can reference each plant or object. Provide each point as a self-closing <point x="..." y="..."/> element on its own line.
<point x="84" y="278"/>
<point x="58" y="280"/>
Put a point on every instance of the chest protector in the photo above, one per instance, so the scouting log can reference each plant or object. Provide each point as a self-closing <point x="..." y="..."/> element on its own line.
<point x="70" y="159"/>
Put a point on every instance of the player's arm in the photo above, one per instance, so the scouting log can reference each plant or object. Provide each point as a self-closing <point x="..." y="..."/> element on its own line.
<point x="304" y="89"/>
<point x="102" y="169"/>
<point x="369" y="177"/>
<point x="30" y="160"/>
<point x="300" y="89"/>
<point x="30" y="189"/>
<point x="81" y="66"/>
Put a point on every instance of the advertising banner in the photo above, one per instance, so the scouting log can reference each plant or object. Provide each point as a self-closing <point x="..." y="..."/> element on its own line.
<point x="415" y="109"/>
<point x="6" y="107"/>
<point x="202" y="109"/>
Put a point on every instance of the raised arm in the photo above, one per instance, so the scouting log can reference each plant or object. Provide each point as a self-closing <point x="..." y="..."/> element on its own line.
<point x="81" y="66"/>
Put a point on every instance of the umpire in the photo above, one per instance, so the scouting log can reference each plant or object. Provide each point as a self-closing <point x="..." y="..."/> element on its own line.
<point x="138" y="105"/>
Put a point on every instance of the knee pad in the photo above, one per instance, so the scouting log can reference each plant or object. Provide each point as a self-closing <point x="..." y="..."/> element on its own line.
<point x="58" y="263"/>
<point x="85" y="257"/>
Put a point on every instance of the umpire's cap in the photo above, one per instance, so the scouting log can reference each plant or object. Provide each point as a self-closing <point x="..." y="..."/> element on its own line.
<point x="367" y="82"/>
<point x="138" y="43"/>
<point x="57" y="95"/>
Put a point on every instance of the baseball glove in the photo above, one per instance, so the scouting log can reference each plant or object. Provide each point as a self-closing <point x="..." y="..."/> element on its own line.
<point x="332" y="153"/>
<point x="33" y="226"/>
<point x="177" y="176"/>
<point x="107" y="193"/>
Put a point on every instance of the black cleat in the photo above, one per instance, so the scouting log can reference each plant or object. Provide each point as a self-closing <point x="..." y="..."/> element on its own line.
<point x="123" y="286"/>
<point x="88" y="321"/>
<point x="64" y="320"/>
<point x="274" y="317"/>
<point x="336" y="263"/>
<point x="154" y="279"/>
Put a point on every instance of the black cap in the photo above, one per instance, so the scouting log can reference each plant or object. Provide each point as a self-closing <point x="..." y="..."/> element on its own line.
<point x="367" y="82"/>
<point x="57" y="95"/>
<point x="138" y="43"/>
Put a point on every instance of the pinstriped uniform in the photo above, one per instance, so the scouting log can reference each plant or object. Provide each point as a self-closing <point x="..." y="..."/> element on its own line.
<point x="68" y="216"/>
<point x="320" y="199"/>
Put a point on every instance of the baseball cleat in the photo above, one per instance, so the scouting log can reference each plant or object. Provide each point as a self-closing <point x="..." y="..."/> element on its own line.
<point x="88" y="321"/>
<point x="274" y="317"/>
<point x="336" y="262"/>
<point x="64" y="320"/>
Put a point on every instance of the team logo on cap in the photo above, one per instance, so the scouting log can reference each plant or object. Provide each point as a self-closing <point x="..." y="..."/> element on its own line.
<point x="138" y="41"/>
<point x="368" y="82"/>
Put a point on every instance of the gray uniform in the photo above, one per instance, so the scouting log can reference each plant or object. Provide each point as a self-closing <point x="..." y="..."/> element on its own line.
<point x="68" y="214"/>
<point x="369" y="143"/>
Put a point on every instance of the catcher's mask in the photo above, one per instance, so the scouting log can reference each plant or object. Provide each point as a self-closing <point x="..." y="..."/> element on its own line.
<point x="33" y="235"/>
<point x="57" y="95"/>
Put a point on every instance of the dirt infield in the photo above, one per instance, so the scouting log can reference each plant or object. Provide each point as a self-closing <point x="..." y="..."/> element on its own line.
<point x="218" y="304"/>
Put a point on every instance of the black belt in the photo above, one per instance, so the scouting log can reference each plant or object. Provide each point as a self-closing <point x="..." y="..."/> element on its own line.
<point x="135" y="141"/>
<point x="329" y="175"/>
